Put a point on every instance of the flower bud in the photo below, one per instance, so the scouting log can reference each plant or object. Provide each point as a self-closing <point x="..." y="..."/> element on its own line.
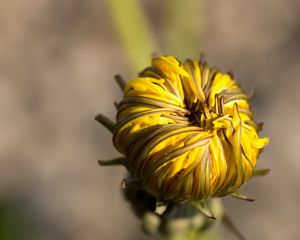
<point x="187" y="131"/>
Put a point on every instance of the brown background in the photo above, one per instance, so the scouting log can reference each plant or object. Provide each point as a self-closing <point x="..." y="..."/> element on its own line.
<point x="57" y="59"/>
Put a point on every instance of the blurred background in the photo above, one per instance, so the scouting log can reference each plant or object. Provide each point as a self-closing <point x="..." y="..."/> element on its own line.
<point x="57" y="62"/>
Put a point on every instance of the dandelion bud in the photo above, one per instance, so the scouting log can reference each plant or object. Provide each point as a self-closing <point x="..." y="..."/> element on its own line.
<point x="187" y="131"/>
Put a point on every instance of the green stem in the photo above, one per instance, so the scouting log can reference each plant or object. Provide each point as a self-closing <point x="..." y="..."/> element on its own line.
<point x="183" y="27"/>
<point x="200" y="226"/>
<point x="134" y="31"/>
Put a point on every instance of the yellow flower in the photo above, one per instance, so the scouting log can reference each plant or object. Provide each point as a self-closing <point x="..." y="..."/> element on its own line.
<point x="187" y="131"/>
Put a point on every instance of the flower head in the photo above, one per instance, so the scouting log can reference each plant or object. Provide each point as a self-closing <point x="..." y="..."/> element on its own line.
<point x="187" y="131"/>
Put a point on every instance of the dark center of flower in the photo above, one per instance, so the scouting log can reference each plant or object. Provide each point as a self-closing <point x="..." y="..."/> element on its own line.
<point x="201" y="114"/>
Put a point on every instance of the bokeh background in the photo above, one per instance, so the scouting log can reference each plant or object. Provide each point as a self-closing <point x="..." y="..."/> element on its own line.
<point x="57" y="61"/>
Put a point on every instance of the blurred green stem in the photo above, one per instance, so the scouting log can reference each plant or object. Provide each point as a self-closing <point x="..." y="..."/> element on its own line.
<point x="183" y="27"/>
<point x="211" y="234"/>
<point x="134" y="30"/>
<point x="206" y="229"/>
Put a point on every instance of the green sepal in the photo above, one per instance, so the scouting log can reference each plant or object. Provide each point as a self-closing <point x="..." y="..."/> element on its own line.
<point x="261" y="172"/>
<point x="251" y="94"/>
<point x="112" y="162"/>
<point x="132" y="183"/>
<point x="202" y="206"/>
<point x="161" y="207"/>
<point x="105" y="122"/>
<point x="242" y="196"/>
<point x="120" y="81"/>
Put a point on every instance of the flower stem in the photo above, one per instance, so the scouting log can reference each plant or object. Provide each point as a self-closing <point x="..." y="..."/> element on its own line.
<point x="195" y="225"/>
<point x="134" y="31"/>
<point x="183" y="27"/>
